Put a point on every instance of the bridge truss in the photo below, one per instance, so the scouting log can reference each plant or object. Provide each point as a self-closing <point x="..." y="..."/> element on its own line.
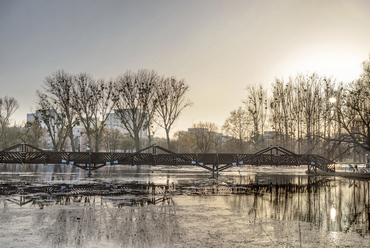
<point x="155" y="155"/>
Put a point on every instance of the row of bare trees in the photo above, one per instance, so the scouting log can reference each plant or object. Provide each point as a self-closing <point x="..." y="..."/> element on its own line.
<point x="140" y="99"/>
<point x="296" y="113"/>
<point x="306" y="113"/>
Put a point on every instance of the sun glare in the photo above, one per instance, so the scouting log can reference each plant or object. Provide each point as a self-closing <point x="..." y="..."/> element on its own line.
<point x="342" y="67"/>
<point x="333" y="213"/>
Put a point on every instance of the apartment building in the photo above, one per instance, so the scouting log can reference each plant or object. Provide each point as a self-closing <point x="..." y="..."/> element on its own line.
<point x="113" y="122"/>
<point x="80" y="139"/>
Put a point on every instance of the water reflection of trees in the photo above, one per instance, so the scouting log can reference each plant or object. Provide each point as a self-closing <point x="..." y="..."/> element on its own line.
<point x="341" y="205"/>
<point x="336" y="204"/>
<point x="101" y="220"/>
<point x="50" y="173"/>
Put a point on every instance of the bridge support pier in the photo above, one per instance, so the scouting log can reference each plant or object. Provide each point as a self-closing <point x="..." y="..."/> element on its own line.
<point x="88" y="169"/>
<point x="215" y="170"/>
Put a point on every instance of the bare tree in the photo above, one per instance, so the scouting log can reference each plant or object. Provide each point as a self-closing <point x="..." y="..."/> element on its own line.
<point x="93" y="102"/>
<point x="353" y="108"/>
<point x="280" y="105"/>
<point x="297" y="113"/>
<point x="300" y="110"/>
<point x="184" y="142"/>
<point x="113" y="140"/>
<point x="205" y="137"/>
<point x="312" y="98"/>
<point x="170" y="101"/>
<point x="256" y="105"/>
<point x="55" y="106"/>
<point x="52" y="121"/>
<point x="136" y="103"/>
<point x="8" y="105"/>
<point x="237" y="125"/>
<point x="32" y="133"/>
<point x="14" y="134"/>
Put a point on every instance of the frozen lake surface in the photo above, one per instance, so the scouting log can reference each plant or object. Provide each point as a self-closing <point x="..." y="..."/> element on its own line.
<point x="282" y="207"/>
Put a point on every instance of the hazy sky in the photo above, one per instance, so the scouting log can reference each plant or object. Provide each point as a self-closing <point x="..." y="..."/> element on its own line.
<point x="218" y="47"/>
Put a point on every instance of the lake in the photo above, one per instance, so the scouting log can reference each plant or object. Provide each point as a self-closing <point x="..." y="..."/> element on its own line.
<point x="182" y="206"/>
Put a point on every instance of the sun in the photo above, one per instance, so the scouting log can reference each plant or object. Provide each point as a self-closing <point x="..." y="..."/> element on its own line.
<point x="341" y="66"/>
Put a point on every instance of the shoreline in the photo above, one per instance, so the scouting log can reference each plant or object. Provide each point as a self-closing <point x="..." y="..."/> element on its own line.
<point x="354" y="175"/>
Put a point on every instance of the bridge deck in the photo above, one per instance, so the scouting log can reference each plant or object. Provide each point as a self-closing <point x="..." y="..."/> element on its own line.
<point x="27" y="154"/>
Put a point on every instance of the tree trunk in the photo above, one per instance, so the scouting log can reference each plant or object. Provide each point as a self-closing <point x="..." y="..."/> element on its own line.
<point x="97" y="141"/>
<point x="72" y="140"/>
<point x="168" y="139"/>
<point x="137" y="141"/>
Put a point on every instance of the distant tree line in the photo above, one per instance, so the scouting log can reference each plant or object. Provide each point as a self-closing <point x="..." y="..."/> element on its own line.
<point x="307" y="113"/>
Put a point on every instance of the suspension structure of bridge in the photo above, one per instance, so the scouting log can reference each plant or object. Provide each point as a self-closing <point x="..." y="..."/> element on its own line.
<point x="155" y="155"/>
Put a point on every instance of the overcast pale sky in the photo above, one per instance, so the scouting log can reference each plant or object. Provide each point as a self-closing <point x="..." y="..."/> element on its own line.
<point x="218" y="47"/>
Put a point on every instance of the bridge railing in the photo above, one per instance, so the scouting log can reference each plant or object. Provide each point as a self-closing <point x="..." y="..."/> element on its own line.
<point x="168" y="158"/>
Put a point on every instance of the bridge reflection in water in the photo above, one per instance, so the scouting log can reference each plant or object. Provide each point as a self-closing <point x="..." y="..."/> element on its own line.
<point x="328" y="204"/>
<point x="162" y="206"/>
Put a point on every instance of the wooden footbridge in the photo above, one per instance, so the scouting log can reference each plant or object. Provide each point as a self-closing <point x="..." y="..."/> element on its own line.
<point x="155" y="155"/>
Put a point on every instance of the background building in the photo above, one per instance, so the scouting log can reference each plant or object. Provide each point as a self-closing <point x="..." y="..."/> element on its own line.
<point x="115" y="137"/>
